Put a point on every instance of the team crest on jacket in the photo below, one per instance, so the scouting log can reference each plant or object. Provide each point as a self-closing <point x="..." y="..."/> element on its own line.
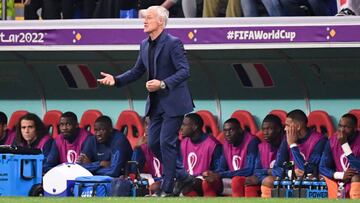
<point x="192" y="160"/>
<point x="71" y="156"/>
<point x="236" y="162"/>
<point x="344" y="162"/>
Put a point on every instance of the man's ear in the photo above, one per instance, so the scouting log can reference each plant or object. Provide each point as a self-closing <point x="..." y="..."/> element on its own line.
<point x="162" y="21"/>
<point x="278" y="130"/>
<point x="195" y="127"/>
<point x="299" y="125"/>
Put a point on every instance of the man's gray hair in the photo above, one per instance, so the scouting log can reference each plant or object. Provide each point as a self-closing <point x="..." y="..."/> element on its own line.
<point x="161" y="12"/>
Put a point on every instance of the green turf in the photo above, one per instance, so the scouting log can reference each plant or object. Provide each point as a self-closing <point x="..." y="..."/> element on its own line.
<point x="163" y="200"/>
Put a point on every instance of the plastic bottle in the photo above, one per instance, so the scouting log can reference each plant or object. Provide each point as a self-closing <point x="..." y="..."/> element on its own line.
<point x="277" y="183"/>
<point x="276" y="191"/>
<point x="309" y="178"/>
<point x="341" y="191"/>
<point x="306" y="183"/>
<point x="315" y="183"/>
<point x="323" y="188"/>
<point x="286" y="183"/>
<point x="297" y="183"/>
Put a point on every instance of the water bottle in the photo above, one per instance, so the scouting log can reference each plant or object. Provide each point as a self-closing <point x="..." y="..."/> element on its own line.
<point x="341" y="191"/>
<point x="277" y="183"/>
<point x="286" y="183"/>
<point x="297" y="183"/>
<point x="297" y="187"/>
<point x="134" y="187"/>
<point x="315" y="183"/>
<point x="276" y="191"/>
<point x="323" y="188"/>
<point x="311" y="183"/>
<point x="306" y="184"/>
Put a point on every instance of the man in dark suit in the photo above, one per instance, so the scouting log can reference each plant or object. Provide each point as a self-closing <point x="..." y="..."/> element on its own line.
<point x="163" y="57"/>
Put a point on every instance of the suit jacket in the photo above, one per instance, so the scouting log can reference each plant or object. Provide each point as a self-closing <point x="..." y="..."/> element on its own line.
<point x="171" y="66"/>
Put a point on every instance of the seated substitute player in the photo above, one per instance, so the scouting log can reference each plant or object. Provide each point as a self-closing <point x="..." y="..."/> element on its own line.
<point x="272" y="130"/>
<point x="67" y="146"/>
<point x="149" y="166"/>
<point x="107" y="152"/>
<point x="237" y="162"/>
<point x="200" y="152"/>
<point x="340" y="161"/>
<point x="6" y="136"/>
<point x="302" y="145"/>
<point x="31" y="133"/>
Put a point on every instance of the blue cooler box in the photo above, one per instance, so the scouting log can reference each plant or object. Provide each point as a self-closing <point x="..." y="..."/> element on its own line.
<point x="91" y="186"/>
<point x="18" y="173"/>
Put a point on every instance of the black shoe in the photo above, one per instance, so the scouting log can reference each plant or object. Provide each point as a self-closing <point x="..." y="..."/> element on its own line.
<point x="346" y="12"/>
<point x="183" y="185"/>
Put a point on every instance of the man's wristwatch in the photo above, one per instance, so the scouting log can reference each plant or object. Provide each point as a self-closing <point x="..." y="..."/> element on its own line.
<point x="162" y="85"/>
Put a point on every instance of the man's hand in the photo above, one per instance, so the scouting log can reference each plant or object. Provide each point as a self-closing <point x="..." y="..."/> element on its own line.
<point x="210" y="176"/>
<point x="153" y="85"/>
<point x="299" y="173"/>
<point x="105" y="164"/>
<point x="341" y="137"/>
<point x="83" y="159"/>
<point x="142" y="140"/>
<point x="349" y="173"/>
<point x="291" y="135"/>
<point x="108" y="79"/>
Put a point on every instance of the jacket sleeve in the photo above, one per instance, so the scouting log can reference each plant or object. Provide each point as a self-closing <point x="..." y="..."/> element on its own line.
<point x="120" y="153"/>
<point x="259" y="170"/>
<point x="89" y="147"/>
<point x="327" y="164"/>
<point x="248" y="170"/>
<point x="181" y="65"/>
<point x="353" y="160"/>
<point x="314" y="158"/>
<point x="281" y="157"/>
<point x="139" y="157"/>
<point x="133" y="74"/>
<point x="216" y="157"/>
<point x="47" y="148"/>
<point x="52" y="159"/>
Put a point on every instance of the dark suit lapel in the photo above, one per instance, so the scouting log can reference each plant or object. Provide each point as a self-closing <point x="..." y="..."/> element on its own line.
<point x="158" y="49"/>
<point x="145" y="55"/>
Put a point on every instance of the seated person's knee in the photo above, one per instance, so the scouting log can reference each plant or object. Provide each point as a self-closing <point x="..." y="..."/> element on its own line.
<point x="252" y="180"/>
<point x="268" y="181"/>
<point x="355" y="178"/>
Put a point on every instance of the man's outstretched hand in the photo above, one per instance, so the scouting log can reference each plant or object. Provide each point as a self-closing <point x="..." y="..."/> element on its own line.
<point x="108" y="79"/>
